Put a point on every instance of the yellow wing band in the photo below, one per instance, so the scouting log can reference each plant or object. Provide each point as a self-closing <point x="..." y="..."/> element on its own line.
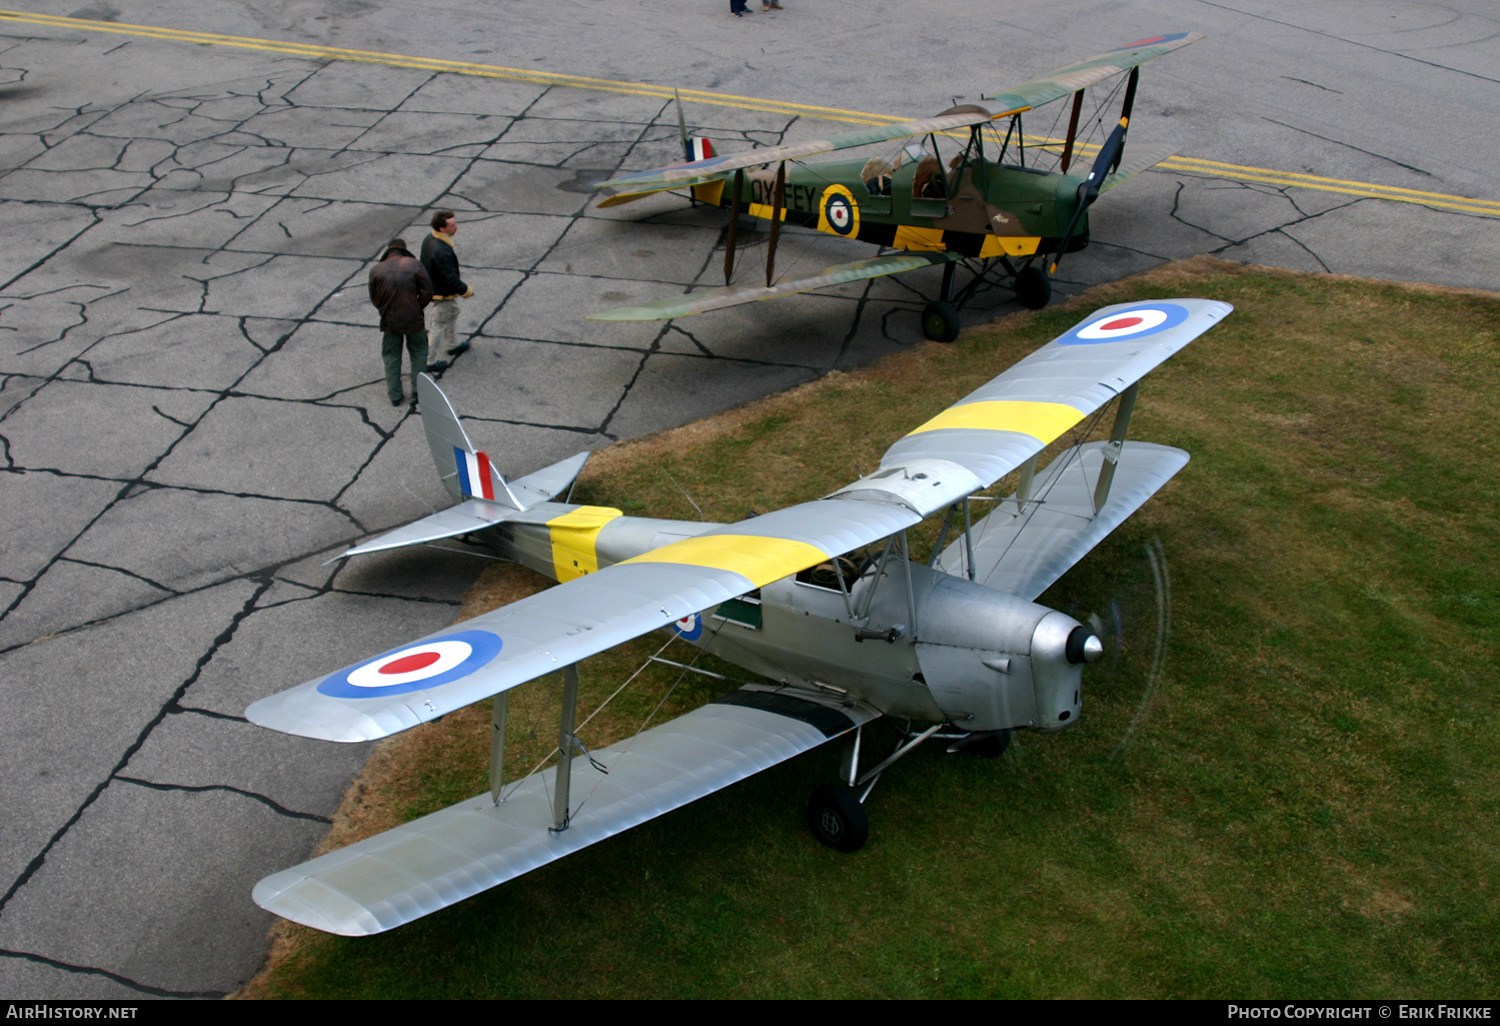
<point x="1042" y="421"/>
<point x="574" y="540"/>
<point x="756" y="557"/>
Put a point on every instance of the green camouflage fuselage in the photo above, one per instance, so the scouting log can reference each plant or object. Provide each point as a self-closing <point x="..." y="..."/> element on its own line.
<point x="983" y="209"/>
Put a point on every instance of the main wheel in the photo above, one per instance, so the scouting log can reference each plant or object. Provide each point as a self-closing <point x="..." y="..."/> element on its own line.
<point x="1033" y="287"/>
<point x="940" y="322"/>
<point x="989" y="746"/>
<point x="836" y="818"/>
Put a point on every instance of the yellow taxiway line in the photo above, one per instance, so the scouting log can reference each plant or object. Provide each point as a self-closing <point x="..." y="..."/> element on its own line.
<point x="1213" y="168"/>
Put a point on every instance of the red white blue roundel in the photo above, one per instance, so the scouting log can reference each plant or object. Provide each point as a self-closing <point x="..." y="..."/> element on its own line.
<point x="1128" y="324"/>
<point x="689" y="628"/>
<point x="1153" y="41"/>
<point x="414" y="667"/>
<point x="840" y="213"/>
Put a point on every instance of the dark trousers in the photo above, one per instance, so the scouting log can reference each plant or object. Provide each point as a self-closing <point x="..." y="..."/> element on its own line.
<point x="390" y="350"/>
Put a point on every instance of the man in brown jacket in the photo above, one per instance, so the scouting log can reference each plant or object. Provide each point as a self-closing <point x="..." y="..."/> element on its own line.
<point x="400" y="289"/>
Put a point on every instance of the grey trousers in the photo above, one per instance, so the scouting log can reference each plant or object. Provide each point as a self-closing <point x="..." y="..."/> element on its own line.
<point x="444" y="317"/>
<point x="390" y="350"/>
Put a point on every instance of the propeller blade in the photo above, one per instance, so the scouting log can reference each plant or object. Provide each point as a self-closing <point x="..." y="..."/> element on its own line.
<point x="1109" y="155"/>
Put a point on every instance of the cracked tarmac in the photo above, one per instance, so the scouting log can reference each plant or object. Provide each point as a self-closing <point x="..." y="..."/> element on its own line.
<point x="193" y="417"/>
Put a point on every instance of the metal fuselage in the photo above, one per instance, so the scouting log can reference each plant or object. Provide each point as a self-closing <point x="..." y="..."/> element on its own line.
<point x="911" y="640"/>
<point x="981" y="209"/>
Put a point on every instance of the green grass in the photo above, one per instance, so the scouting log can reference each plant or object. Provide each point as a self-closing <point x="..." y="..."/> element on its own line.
<point x="1305" y="804"/>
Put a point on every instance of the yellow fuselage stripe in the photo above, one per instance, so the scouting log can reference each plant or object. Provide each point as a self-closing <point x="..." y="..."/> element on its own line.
<point x="763" y="210"/>
<point x="1042" y="421"/>
<point x="758" y="558"/>
<point x="575" y="538"/>
<point x="316" y="52"/>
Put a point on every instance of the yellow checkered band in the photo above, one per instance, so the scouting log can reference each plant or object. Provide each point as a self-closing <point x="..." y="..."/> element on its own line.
<point x="755" y="557"/>
<point x="574" y="537"/>
<point x="1042" y="421"/>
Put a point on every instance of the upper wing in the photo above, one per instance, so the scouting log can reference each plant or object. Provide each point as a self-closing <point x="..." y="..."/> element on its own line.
<point x="996" y="428"/>
<point x="1085" y="73"/>
<point x="1013" y="101"/>
<point x="546" y="632"/>
<point x="686" y="305"/>
<point x="712" y="168"/>
<point x="969" y="446"/>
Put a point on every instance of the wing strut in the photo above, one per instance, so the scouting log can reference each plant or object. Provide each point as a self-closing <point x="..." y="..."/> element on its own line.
<point x="736" y="203"/>
<point x="1067" y="154"/>
<point x="497" y="745"/>
<point x="1111" y="452"/>
<point x="566" y="743"/>
<point x="777" y="203"/>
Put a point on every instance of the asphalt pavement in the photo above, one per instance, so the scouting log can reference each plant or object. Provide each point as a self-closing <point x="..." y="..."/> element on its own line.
<point x="192" y="409"/>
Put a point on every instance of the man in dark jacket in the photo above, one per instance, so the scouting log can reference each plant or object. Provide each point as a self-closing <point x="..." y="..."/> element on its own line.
<point x="400" y="288"/>
<point x="447" y="287"/>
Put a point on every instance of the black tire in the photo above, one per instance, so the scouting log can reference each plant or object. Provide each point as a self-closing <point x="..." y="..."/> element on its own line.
<point x="836" y="818"/>
<point x="1033" y="287"/>
<point x="940" y="322"/>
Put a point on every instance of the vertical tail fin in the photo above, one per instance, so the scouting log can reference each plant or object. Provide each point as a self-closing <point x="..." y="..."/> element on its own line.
<point x="465" y="472"/>
<point x="695" y="147"/>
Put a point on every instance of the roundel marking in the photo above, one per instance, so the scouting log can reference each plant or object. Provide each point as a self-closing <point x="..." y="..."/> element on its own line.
<point x="837" y="211"/>
<point x="1126" y="325"/>
<point x="415" y="661"/>
<point x="689" y="628"/>
<point x="426" y="664"/>
<point x="1149" y="42"/>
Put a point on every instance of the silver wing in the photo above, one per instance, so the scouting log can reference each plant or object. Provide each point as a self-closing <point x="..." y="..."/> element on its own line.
<point x="440" y="859"/>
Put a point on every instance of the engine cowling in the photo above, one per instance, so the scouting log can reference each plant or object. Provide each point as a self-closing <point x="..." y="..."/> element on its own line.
<point x="998" y="662"/>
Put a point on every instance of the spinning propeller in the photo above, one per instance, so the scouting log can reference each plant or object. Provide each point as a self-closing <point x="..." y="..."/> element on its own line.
<point x="1131" y="613"/>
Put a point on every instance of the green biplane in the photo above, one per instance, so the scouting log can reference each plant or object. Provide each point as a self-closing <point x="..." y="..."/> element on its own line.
<point x="999" y="215"/>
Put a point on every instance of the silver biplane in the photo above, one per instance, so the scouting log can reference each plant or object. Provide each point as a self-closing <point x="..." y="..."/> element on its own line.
<point x="821" y="598"/>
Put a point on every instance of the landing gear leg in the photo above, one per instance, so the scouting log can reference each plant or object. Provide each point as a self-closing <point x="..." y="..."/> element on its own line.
<point x="1033" y="287"/>
<point x="940" y="318"/>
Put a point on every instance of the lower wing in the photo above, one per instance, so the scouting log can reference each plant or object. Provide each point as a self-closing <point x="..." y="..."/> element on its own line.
<point x="735" y="295"/>
<point x="436" y="861"/>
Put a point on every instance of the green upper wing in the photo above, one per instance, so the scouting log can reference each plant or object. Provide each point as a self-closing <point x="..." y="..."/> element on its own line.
<point x="1085" y="73"/>
<point x="1023" y="97"/>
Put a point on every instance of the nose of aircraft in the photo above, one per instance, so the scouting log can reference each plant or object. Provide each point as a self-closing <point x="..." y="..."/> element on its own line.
<point x="1083" y="646"/>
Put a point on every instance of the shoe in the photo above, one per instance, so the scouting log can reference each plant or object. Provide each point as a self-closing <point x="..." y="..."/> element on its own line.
<point x="462" y="347"/>
<point x="398" y="400"/>
<point x="436" y="368"/>
<point x="738" y="14"/>
<point x="772" y="5"/>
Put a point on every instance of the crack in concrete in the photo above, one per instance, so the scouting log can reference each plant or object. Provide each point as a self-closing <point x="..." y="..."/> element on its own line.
<point x="40" y="859"/>
<point x="1351" y="146"/>
<point x="270" y="803"/>
<point x="124" y="981"/>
